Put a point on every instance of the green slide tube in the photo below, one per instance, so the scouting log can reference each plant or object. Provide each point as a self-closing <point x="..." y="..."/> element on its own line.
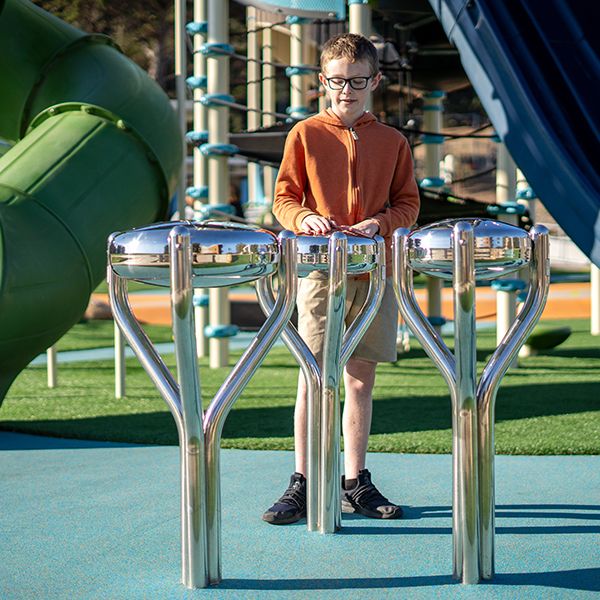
<point x="95" y="148"/>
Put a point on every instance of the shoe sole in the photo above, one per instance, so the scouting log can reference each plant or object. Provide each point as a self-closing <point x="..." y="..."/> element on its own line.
<point x="272" y="519"/>
<point x="347" y="507"/>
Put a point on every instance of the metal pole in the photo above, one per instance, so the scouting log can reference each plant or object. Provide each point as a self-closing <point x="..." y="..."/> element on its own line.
<point x="233" y="386"/>
<point x="298" y="84"/>
<point x="539" y="278"/>
<point x="465" y="480"/>
<point x="268" y="106"/>
<point x="432" y="121"/>
<point x="193" y="481"/>
<point x="180" y="76"/>
<point x="359" y="21"/>
<point x="200" y="161"/>
<point x="312" y="376"/>
<point x="330" y="517"/>
<point x="51" y="366"/>
<point x="506" y="189"/>
<point x="506" y="177"/>
<point x="253" y="94"/>
<point x="120" y="369"/>
<point x="218" y="133"/>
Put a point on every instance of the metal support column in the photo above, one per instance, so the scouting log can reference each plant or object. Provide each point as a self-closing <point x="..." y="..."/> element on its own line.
<point x="268" y="106"/>
<point x="298" y="81"/>
<point x="359" y="21"/>
<point x="218" y="168"/>
<point x="120" y="369"/>
<point x="51" y="366"/>
<point x="465" y="478"/>
<point x="506" y="190"/>
<point x="253" y="94"/>
<point x="432" y="122"/>
<point x="200" y="160"/>
<point x="180" y="90"/>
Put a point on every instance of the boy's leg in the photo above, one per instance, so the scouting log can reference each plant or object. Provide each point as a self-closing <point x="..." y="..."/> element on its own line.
<point x="300" y="426"/>
<point x="359" y="378"/>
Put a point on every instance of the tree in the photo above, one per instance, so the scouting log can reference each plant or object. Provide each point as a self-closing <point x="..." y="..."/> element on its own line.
<point x="142" y="28"/>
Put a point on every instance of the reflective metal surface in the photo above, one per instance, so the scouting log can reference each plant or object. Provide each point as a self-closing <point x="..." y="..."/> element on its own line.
<point x="313" y="254"/>
<point x="489" y="382"/>
<point x="472" y="407"/>
<point x="499" y="248"/>
<point x="324" y="516"/>
<point x="330" y="516"/>
<point x="223" y="254"/>
<point x="199" y="434"/>
<point x="465" y="421"/>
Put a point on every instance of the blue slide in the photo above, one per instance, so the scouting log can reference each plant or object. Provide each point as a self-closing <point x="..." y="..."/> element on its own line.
<point x="535" y="66"/>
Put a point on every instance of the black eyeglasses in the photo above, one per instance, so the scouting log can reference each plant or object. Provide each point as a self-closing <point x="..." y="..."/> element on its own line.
<point x="339" y="83"/>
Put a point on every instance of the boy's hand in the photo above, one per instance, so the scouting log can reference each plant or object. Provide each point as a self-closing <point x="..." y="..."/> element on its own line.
<point x="316" y="224"/>
<point x="367" y="227"/>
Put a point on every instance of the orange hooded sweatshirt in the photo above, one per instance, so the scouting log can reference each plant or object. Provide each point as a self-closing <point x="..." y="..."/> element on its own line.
<point x="347" y="174"/>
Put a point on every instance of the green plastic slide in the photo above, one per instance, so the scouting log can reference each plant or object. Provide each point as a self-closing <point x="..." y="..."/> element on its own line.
<point x="94" y="147"/>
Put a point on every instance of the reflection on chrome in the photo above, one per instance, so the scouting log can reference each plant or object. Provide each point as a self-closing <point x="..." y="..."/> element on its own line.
<point x="465" y="251"/>
<point x="165" y="254"/>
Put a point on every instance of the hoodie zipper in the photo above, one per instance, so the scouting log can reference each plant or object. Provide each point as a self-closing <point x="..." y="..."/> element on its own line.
<point x="354" y="170"/>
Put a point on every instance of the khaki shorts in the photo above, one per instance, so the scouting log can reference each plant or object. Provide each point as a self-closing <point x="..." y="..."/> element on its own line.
<point x="379" y="341"/>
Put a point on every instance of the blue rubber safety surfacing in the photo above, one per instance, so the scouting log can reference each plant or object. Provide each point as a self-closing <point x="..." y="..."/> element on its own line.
<point x="103" y="522"/>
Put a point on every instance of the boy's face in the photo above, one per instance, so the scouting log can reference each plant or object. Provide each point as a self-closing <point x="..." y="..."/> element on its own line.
<point x="348" y="103"/>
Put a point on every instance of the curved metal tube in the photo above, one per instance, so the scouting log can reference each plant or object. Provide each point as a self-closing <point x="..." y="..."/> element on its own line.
<point x="429" y="338"/>
<point x="464" y="433"/>
<point x="193" y="493"/>
<point x="233" y="386"/>
<point x="359" y="326"/>
<point x="330" y="516"/>
<point x="493" y="372"/>
<point x="143" y="348"/>
<point x="312" y="376"/>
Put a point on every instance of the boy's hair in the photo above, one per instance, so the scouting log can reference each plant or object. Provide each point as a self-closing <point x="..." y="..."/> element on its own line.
<point x="352" y="47"/>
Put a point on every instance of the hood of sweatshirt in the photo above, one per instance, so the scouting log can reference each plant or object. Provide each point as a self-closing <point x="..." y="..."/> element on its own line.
<point x="330" y="118"/>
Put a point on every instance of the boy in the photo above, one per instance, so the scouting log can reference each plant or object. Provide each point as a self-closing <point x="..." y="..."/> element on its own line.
<point x="343" y="168"/>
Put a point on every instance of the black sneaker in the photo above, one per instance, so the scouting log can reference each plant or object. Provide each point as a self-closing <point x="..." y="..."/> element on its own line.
<point x="365" y="498"/>
<point x="291" y="507"/>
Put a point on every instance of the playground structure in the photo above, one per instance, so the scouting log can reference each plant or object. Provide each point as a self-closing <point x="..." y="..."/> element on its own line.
<point x="88" y="154"/>
<point x="133" y="103"/>
<point x="515" y="193"/>
<point x="218" y="156"/>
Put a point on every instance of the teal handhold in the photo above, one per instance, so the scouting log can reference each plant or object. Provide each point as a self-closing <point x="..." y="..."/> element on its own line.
<point x="221" y="331"/>
<point x="209" y="211"/>
<point x="436" y="321"/>
<point x="296" y="20"/>
<point x="196" y="27"/>
<point x="219" y="149"/>
<point x="200" y="300"/>
<point x="299" y="70"/>
<point x="508" y="208"/>
<point x="216" y="99"/>
<point x="432" y="139"/>
<point x="197" y="83"/>
<point x="508" y="285"/>
<point x="526" y="193"/>
<point x="197" y="137"/>
<point x="197" y="193"/>
<point x="297" y="110"/>
<point x="217" y="49"/>
<point x="428" y="182"/>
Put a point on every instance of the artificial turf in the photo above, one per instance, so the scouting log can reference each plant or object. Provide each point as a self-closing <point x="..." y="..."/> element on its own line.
<point x="549" y="405"/>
